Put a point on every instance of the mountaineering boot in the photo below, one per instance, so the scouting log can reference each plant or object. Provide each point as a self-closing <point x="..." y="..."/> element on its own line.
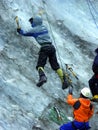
<point x="42" y="77"/>
<point x="64" y="83"/>
<point x="95" y="98"/>
<point x="63" y="78"/>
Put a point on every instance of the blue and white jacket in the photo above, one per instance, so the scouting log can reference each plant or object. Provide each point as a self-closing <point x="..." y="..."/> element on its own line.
<point x="38" y="31"/>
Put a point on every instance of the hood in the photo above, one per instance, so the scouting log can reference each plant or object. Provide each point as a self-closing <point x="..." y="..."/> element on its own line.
<point x="85" y="102"/>
<point x="37" y="21"/>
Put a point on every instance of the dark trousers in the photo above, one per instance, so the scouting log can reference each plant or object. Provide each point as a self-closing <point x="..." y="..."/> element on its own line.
<point x="48" y="52"/>
<point x="93" y="84"/>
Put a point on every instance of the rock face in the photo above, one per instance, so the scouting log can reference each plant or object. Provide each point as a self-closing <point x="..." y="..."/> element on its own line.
<point x="23" y="106"/>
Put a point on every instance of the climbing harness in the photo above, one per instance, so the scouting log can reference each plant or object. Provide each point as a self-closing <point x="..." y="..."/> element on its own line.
<point x="92" y="10"/>
<point x="83" y="127"/>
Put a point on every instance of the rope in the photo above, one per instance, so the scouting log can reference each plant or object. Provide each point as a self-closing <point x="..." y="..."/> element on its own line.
<point x="70" y="69"/>
<point x="52" y="34"/>
<point x="93" y="6"/>
<point x="89" y="6"/>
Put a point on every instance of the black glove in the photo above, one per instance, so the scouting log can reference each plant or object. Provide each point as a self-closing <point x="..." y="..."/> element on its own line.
<point x="18" y="30"/>
<point x="70" y="90"/>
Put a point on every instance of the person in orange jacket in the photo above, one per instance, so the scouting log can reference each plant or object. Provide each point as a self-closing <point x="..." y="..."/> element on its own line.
<point x="83" y="110"/>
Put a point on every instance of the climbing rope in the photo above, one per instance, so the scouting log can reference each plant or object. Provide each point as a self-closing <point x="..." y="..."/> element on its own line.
<point x="43" y="2"/>
<point x="94" y="7"/>
<point x="67" y="66"/>
<point x="91" y="9"/>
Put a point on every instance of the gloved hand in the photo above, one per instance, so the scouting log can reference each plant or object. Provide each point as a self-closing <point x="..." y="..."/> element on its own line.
<point x="70" y="90"/>
<point x="18" y="30"/>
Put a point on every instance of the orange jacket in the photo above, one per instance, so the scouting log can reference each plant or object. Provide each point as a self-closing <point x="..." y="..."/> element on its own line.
<point x="84" y="112"/>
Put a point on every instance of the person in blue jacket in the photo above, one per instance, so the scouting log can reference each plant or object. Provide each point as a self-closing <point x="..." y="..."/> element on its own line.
<point x="47" y="50"/>
<point x="93" y="82"/>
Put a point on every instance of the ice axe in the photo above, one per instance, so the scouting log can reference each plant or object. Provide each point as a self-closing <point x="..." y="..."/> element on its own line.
<point x="17" y="21"/>
<point x="71" y="70"/>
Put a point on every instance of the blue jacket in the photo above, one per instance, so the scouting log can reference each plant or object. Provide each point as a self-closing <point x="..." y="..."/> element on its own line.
<point x="38" y="31"/>
<point x="95" y="63"/>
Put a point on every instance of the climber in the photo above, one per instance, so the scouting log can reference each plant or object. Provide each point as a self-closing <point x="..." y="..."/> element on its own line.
<point x="83" y="110"/>
<point x="93" y="82"/>
<point x="47" y="50"/>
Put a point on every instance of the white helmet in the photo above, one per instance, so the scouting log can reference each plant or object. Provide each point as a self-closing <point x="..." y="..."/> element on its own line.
<point x="86" y="92"/>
